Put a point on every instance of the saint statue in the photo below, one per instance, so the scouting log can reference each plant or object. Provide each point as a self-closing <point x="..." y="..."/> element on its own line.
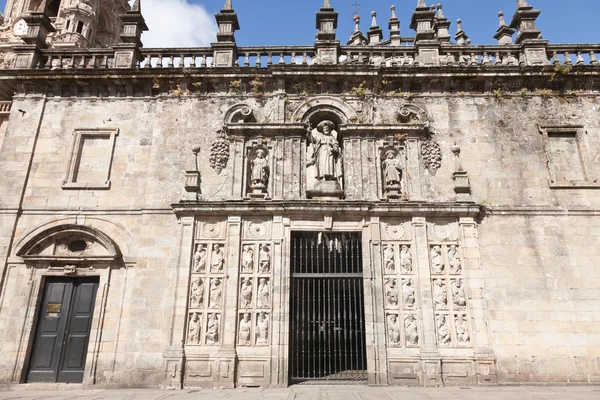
<point x="264" y="259"/>
<point x="391" y="292"/>
<point x="212" y="329"/>
<point x="454" y="260"/>
<point x="412" y="334"/>
<point x="443" y="330"/>
<point x="436" y="260"/>
<point x="200" y="259"/>
<point x="259" y="170"/>
<point x="215" y="293"/>
<point x="246" y="293"/>
<point x="440" y="295"/>
<point x="408" y="293"/>
<point x="393" y="330"/>
<point x="405" y="260"/>
<point x="388" y="260"/>
<point x="197" y="296"/>
<point x="194" y="329"/>
<point x="462" y="331"/>
<point x="218" y="259"/>
<point x="245" y="327"/>
<point x="326" y="152"/>
<point x="263" y="293"/>
<point x="458" y="294"/>
<point x="392" y="170"/>
<point x="262" y="329"/>
<point x="247" y="260"/>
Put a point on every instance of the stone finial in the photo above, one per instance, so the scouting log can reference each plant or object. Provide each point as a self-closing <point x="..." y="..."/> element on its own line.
<point x="326" y="4"/>
<point x="422" y="22"/>
<point x="356" y="23"/>
<point x="394" y="12"/>
<point x="228" y="5"/>
<point x="327" y="20"/>
<point x="461" y="37"/>
<point x="375" y="33"/>
<point x="228" y="23"/>
<point x="133" y="25"/>
<point x="136" y="6"/>
<point x="504" y="34"/>
<point x="421" y="4"/>
<point x="522" y="4"/>
<point x="440" y="14"/>
<point x="502" y="21"/>
<point x="394" y="26"/>
<point x="373" y="19"/>
<point x="524" y="22"/>
<point x="442" y="26"/>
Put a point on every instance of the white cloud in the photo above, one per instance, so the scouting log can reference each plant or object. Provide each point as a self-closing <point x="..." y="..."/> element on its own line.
<point x="177" y="23"/>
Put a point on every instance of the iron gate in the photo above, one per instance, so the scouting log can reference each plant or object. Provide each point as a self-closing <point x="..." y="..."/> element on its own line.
<point x="327" y="316"/>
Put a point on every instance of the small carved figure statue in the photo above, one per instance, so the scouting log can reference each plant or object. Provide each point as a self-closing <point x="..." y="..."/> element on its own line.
<point x="389" y="261"/>
<point x="391" y="292"/>
<point x="443" y="329"/>
<point x="246" y="293"/>
<point x="215" y="293"/>
<point x="212" y="329"/>
<point x="264" y="259"/>
<point x="436" y="260"/>
<point x="326" y="155"/>
<point x="454" y="260"/>
<point x="259" y="170"/>
<point x="194" y="329"/>
<point x="218" y="259"/>
<point x="392" y="170"/>
<point x="262" y="329"/>
<point x="263" y="293"/>
<point x="405" y="259"/>
<point x="245" y="328"/>
<point x="197" y="293"/>
<point x="458" y="294"/>
<point x="408" y="293"/>
<point x="412" y="334"/>
<point x="440" y="294"/>
<point x="200" y="259"/>
<point x="247" y="260"/>
<point x="393" y="330"/>
<point x="462" y="331"/>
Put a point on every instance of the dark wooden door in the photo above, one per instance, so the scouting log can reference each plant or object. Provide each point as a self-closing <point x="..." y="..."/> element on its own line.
<point x="63" y="330"/>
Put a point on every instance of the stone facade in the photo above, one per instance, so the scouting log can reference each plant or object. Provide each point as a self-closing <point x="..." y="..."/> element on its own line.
<point x="470" y="172"/>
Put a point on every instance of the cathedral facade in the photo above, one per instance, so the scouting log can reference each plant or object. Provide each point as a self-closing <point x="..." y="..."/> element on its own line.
<point x="391" y="211"/>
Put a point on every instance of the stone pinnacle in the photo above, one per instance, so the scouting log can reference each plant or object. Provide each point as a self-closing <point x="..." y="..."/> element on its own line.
<point x="228" y="5"/>
<point x="326" y="4"/>
<point x="136" y="6"/>
<point x="394" y="12"/>
<point x="421" y="4"/>
<point x="502" y="21"/>
<point x="440" y="13"/>
<point x="522" y="3"/>
<point x="374" y="19"/>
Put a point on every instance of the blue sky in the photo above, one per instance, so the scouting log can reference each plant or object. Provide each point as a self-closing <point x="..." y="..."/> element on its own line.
<point x="292" y="22"/>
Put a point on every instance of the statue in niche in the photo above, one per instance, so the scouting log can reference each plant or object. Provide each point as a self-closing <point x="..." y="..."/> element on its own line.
<point x="392" y="174"/>
<point x="264" y="259"/>
<point x="405" y="259"/>
<point x="326" y="156"/>
<point x="391" y="292"/>
<point x="443" y="330"/>
<point x="393" y="330"/>
<point x="194" y="329"/>
<point x="215" y="293"/>
<point x="408" y="293"/>
<point x="245" y="328"/>
<point x="200" y="259"/>
<point x="454" y="260"/>
<point x="263" y="293"/>
<point x="246" y="293"/>
<point x="259" y="173"/>
<point x="412" y="334"/>
<point x="218" y="259"/>
<point x="262" y="329"/>
<point x="462" y="331"/>
<point x="440" y="294"/>
<point x="212" y="329"/>
<point x="389" y="261"/>
<point x="436" y="260"/>
<point x="247" y="260"/>
<point x="197" y="293"/>
<point x="458" y="294"/>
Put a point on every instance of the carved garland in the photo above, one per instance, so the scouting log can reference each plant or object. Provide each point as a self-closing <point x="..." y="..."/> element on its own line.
<point x="219" y="152"/>
<point x="432" y="156"/>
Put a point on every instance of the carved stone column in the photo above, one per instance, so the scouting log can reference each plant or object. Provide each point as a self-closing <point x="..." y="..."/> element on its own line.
<point x="431" y="359"/>
<point x="485" y="365"/>
<point x="227" y="355"/>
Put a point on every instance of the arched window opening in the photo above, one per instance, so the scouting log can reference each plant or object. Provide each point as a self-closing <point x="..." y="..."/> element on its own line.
<point x="52" y="8"/>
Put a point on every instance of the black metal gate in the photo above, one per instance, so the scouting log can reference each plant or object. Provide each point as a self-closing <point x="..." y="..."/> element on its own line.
<point x="327" y="335"/>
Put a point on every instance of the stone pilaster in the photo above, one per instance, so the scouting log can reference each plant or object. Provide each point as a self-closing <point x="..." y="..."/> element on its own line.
<point x="280" y="314"/>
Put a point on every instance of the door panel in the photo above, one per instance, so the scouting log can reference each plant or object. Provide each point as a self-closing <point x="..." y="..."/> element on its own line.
<point x="63" y="330"/>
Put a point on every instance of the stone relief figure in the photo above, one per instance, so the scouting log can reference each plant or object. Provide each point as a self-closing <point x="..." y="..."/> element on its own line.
<point x="440" y="294"/>
<point x="246" y="293"/>
<point x="458" y="294"/>
<point x="325" y="155"/>
<point x="259" y="170"/>
<point x="263" y="293"/>
<point x="392" y="172"/>
<point x="391" y="292"/>
<point x="412" y="334"/>
<point x="462" y="331"/>
<point x="454" y="260"/>
<point x="262" y="329"/>
<point x="247" y="260"/>
<point x="194" y="329"/>
<point x="436" y="260"/>
<point x="408" y="293"/>
<point x="389" y="261"/>
<point x="264" y="259"/>
<point x="393" y="330"/>
<point x="200" y="259"/>
<point x="218" y="259"/>
<point x="245" y="328"/>
<point x="212" y="329"/>
<point x="443" y="330"/>
<point x="405" y="260"/>
<point x="215" y="293"/>
<point x="197" y="293"/>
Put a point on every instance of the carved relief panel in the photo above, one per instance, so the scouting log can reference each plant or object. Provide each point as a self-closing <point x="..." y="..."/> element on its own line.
<point x="255" y="291"/>
<point x="206" y="286"/>
<point x="448" y="283"/>
<point x="399" y="275"/>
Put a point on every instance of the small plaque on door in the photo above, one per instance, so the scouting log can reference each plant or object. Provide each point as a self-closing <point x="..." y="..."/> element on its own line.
<point x="53" y="308"/>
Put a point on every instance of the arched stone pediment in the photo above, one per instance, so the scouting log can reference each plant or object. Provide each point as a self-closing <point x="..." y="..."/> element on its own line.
<point x="411" y="114"/>
<point x="240" y="114"/>
<point x="324" y="107"/>
<point x="70" y="242"/>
